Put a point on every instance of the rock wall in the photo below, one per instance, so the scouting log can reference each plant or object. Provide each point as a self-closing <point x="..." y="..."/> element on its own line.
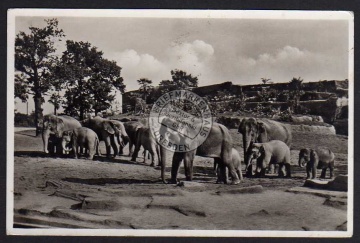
<point x="234" y="122"/>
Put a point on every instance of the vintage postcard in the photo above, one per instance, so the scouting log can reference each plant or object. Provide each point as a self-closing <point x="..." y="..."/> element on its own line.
<point x="180" y="123"/>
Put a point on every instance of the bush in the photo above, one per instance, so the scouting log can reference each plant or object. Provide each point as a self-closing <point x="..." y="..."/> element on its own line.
<point x="23" y="120"/>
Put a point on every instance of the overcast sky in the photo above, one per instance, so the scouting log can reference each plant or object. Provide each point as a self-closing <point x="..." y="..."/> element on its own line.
<point x="214" y="50"/>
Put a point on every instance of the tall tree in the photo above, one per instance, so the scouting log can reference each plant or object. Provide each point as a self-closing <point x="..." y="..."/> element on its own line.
<point x="55" y="100"/>
<point x="145" y="87"/>
<point x="295" y="88"/>
<point x="265" y="80"/>
<point x="88" y="79"/>
<point x="180" y="80"/>
<point x="34" y="57"/>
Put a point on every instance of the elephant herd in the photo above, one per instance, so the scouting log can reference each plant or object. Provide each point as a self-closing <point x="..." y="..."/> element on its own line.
<point x="265" y="142"/>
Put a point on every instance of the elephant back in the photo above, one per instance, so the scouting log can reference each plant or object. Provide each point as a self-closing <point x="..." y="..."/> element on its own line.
<point x="131" y="127"/>
<point x="69" y="122"/>
<point x="277" y="131"/>
<point x="325" y="154"/>
<point x="217" y="144"/>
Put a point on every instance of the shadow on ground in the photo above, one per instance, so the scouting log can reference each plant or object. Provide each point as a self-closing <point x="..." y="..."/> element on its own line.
<point x="31" y="154"/>
<point x="104" y="181"/>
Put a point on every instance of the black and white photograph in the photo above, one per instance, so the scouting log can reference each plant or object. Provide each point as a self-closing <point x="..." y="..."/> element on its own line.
<point x="180" y="123"/>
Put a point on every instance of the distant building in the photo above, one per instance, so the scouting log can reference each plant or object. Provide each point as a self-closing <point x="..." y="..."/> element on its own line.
<point x="116" y="105"/>
<point x="313" y="90"/>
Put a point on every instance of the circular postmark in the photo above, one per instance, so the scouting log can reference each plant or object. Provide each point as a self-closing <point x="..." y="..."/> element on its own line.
<point x="180" y="120"/>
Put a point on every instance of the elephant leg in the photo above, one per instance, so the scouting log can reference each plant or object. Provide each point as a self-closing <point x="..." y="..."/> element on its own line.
<point x="283" y="170"/>
<point x="223" y="176"/>
<point x="136" y="151"/>
<point x="308" y="174"/>
<point x="177" y="158"/>
<point x="120" y="144"/>
<point x="75" y="149"/>
<point x="239" y="172"/>
<point x="97" y="144"/>
<point x="262" y="173"/>
<point x="219" y="171"/>
<point x="323" y="172"/>
<point x="331" y="168"/>
<point x="50" y="147"/>
<point x="144" y="153"/>
<point x="92" y="148"/>
<point x="108" y="147"/>
<point x="58" y="147"/>
<point x="158" y="155"/>
<point x="188" y="164"/>
<point x="314" y="172"/>
<point x="308" y="170"/>
<point x="288" y="170"/>
<point x="114" y="146"/>
<point x="249" y="171"/>
<point x="272" y="169"/>
<point x="152" y="157"/>
<point x="121" y="150"/>
<point x="131" y="148"/>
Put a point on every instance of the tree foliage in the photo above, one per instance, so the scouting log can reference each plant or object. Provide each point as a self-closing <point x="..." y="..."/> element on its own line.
<point x="88" y="79"/>
<point x="295" y="92"/>
<point x="34" y="58"/>
<point x="56" y="100"/>
<point x="145" y="87"/>
<point x="265" y="80"/>
<point x="180" y="80"/>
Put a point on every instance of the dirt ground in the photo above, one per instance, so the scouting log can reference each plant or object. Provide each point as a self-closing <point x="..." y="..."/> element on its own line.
<point x="118" y="193"/>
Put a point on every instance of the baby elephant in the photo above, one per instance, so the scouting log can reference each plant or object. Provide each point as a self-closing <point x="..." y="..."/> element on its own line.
<point x="83" y="137"/>
<point x="273" y="152"/>
<point x="320" y="158"/>
<point x="236" y="160"/>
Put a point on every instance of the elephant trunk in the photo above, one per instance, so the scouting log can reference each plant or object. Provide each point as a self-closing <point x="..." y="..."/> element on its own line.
<point x="45" y="137"/>
<point x="125" y="140"/>
<point x="63" y="144"/>
<point x="246" y="144"/>
<point x="302" y="162"/>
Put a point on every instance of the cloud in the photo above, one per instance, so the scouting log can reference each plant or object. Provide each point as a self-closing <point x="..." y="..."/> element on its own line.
<point x="192" y="57"/>
<point x="135" y="66"/>
<point x="282" y="65"/>
<point x="200" y="59"/>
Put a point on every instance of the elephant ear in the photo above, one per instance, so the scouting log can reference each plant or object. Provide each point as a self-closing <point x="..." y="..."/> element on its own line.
<point x="108" y="127"/>
<point x="262" y="133"/>
<point x="242" y="125"/>
<point x="261" y="127"/>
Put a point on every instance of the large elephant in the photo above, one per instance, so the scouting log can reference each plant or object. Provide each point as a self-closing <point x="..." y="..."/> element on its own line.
<point x="53" y="128"/>
<point x="106" y="131"/>
<point x="320" y="158"/>
<point x="217" y="145"/>
<point x="261" y="130"/>
<point x="131" y="128"/>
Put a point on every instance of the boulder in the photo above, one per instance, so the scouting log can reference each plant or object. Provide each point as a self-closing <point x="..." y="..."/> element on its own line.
<point x="314" y="129"/>
<point x="340" y="183"/>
